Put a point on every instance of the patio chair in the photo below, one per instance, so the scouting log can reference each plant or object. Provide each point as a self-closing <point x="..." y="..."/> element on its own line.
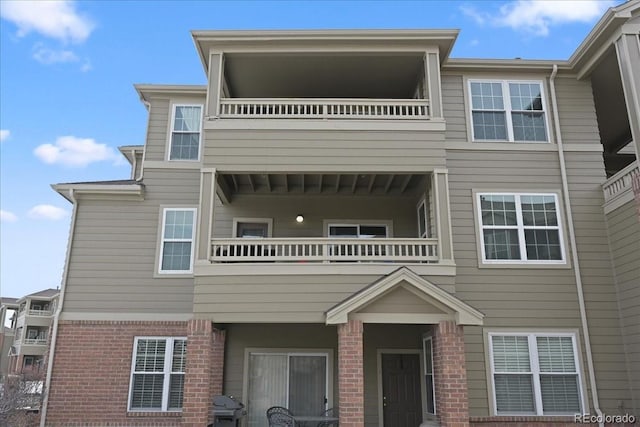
<point x="278" y="410"/>
<point x="331" y="412"/>
<point x="281" y="419"/>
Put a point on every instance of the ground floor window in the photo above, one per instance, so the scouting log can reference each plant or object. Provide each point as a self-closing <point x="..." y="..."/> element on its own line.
<point x="535" y="374"/>
<point x="157" y="374"/>
<point x="427" y="343"/>
<point x="295" y="380"/>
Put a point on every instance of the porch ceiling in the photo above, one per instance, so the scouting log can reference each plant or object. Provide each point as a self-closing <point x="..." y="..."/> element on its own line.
<point x="370" y="184"/>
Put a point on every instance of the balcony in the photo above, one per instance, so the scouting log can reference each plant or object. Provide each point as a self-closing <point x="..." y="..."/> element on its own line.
<point x="35" y="341"/>
<point x="322" y="108"/>
<point x="325" y="250"/>
<point x="40" y="312"/>
<point x="618" y="189"/>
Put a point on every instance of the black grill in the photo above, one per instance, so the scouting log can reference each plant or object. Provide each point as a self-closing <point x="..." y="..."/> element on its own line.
<point x="227" y="411"/>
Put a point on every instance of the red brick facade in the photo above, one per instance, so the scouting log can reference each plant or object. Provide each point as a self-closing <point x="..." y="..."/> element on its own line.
<point x="197" y="381"/>
<point x="351" y="374"/>
<point x="92" y="370"/>
<point x="452" y="405"/>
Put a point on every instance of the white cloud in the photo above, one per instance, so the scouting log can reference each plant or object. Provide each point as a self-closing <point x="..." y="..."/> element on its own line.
<point x="56" y="19"/>
<point x="49" y="212"/>
<point x="75" y="152"/>
<point x="6" y="216"/>
<point x="86" y="66"/>
<point x="4" y="134"/>
<point x="538" y="16"/>
<point x="45" y="55"/>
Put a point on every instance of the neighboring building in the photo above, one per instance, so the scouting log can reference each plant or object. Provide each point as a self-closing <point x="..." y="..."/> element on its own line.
<point x="8" y="315"/>
<point x="353" y="219"/>
<point x="25" y="343"/>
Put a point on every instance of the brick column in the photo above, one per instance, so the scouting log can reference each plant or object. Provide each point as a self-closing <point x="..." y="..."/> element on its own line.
<point x="350" y="374"/>
<point x="217" y="361"/>
<point x="197" y="380"/>
<point x="452" y="404"/>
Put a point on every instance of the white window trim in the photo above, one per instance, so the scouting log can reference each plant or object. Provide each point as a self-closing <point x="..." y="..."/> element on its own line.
<point x="427" y="225"/>
<point x="388" y="224"/>
<point x="166" y="372"/>
<point x="174" y="107"/>
<point x="433" y="374"/>
<point x="326" y="352"/>
<point x="268" y="221"/>
<point x="535" y="370"/>
<point x="507" y="109"/>
<point x="520" y="227"/>
<point x="192" y="240"/>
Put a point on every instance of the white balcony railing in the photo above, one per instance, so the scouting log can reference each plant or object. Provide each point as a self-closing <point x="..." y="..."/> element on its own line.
<point x="35" y="341"/>
<point x="41" y="313"/>
<point x="312" y="108"/>
<point x="621" y="182"/>
<point x="322" y="250"/>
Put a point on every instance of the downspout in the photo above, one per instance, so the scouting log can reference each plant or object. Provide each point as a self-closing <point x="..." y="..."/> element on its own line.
<point x="574" y="250"/>
<point x="56" y="318"/>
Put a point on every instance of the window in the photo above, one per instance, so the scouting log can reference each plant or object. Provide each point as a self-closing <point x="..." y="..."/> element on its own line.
<point x="535" y="374"/>
<point x="357" y="230"/>
<point x="520" y="228"/>
<point x="423" y="219"/>
<point x="157" y="374"/>
<point x="252" y="227"/>
<point x="185" y="132"/>
<point x="178" y="234"/>
<point x="295" y="380"/>
<point x="429" y="375"/>
<point x="508" y="111"/>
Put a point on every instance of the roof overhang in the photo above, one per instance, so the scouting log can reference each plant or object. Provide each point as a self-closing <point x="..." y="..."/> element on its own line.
<point x="73" y="191"/>
<point x="601" y="38"/>
<point x="446" y="306"/>
<point x="130" y="151"/>
<point x="322" y="41"/>
<point x="149" y="91"/>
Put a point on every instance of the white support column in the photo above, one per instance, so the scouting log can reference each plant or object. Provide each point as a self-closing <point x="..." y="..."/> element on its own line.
<point x="208" y="178"/>
<point x="628" y="52"/>
<point x="440" y="195"/>
<point x="216" y="79"/>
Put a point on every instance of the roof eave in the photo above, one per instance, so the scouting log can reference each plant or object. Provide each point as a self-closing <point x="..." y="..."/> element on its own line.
<point x="70" y="191"/>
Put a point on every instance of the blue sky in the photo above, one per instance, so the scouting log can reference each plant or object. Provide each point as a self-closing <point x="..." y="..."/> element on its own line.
<point x="67" y="71"/>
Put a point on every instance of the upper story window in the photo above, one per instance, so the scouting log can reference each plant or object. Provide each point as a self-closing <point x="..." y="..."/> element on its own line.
<point x="157" y="374"/>
<point x="185" y="132"/>
<point x="535" y="374"/>
<point x="178" y="235"/>
<point x="520" y="228"/>
<point x="511" y="111"/>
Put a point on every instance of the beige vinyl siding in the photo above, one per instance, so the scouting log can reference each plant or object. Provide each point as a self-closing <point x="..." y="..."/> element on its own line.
<point x="453" y="107"/>
<point x="114" y="251"/>
<point x="536" y="298"/>
<point x="158" y="129"/>
<point x="624" y="237"/>
<point x="578" y="122"/>
<point x="326" y="151"/>
<point x="300" y="337"/>
<point x="277" y="298"/>
<point x="283" y="210"/>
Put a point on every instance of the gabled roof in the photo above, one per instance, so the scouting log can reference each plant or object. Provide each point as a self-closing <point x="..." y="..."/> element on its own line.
<point x="433" y="303"/>
<point x="46" y="293"/>
<point x="8" y="301"/>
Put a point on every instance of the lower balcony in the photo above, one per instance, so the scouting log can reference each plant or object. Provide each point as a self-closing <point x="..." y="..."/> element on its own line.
<point x="325" y="250"/>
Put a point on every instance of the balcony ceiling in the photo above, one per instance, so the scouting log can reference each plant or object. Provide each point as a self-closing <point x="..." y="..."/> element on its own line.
<point x="328" y="184"/>
<point x="383" y="76"/>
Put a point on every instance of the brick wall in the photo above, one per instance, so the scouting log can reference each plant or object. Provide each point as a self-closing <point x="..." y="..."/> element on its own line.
<point x="452" y="405"/>
<point x="351" y="374"/>
<point x="197" y="381"/>
<point x="91" y="373"/>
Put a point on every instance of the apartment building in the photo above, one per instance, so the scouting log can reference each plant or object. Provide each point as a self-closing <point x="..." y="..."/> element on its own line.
<point x="355" y="220"/>
<point x="24" y="342"/>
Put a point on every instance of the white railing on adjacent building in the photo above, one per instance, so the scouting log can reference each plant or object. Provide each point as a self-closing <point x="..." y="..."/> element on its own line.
<point x="324" y="250"/>
<point x="42" y="313"/>
<point x="35" y="341"/>
<point x="620" y="183"/>
<point x="312" y="108"/>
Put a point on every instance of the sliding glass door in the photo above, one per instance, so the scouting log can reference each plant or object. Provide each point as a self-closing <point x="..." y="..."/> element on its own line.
<point x="297" y="381"/>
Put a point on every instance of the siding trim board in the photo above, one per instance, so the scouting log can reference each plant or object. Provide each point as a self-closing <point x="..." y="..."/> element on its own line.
<point x="207" y="269"/>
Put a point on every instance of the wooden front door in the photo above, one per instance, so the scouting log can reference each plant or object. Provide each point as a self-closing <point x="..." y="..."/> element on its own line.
<point x="401" y="401"/>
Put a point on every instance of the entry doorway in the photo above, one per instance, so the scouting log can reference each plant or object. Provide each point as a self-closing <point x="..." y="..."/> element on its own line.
<point x="401" y="388"/>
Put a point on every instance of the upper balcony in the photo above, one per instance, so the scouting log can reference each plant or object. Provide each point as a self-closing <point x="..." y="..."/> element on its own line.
<point x="330" y="75"/>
